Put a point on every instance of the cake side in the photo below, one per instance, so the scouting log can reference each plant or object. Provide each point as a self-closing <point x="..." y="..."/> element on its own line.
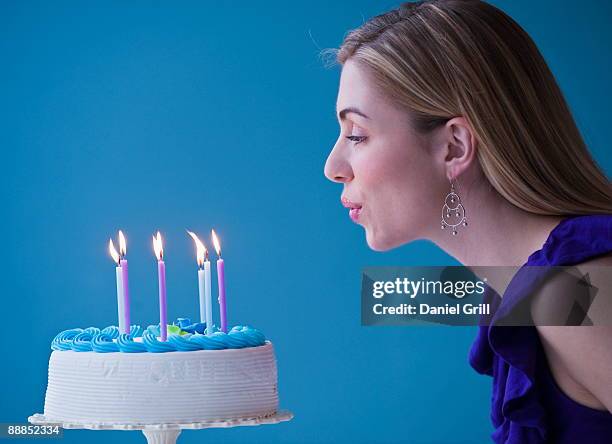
<point x="171" y="387"/>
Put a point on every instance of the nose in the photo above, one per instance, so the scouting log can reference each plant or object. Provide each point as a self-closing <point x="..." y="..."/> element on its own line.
<point x="337" y="167"/>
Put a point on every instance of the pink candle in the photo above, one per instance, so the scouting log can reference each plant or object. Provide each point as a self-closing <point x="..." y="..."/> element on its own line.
<point x="123" y="263"/>
<point x="161" y="275"/>
<point x="222" y="306"/>
<point x="221" y="283"/>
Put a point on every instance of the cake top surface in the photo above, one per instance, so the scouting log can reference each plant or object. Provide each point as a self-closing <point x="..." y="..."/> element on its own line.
<point x="182" y="336"/>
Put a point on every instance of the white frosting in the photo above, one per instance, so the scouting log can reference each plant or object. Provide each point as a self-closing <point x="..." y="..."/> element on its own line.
<point x="150" y="388"/>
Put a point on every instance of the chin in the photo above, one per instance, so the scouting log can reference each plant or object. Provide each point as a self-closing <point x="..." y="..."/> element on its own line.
<point x="377" y="242"/>
<point x="381" y="242"/>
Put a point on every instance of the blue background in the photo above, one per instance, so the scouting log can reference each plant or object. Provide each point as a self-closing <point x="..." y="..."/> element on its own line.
<point x="151" y="115"/>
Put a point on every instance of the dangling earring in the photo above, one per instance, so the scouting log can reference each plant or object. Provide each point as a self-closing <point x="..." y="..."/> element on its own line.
<point x="453" y="212"/>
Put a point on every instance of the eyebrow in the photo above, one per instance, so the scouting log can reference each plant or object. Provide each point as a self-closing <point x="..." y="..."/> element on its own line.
<point x="342" y="114"/>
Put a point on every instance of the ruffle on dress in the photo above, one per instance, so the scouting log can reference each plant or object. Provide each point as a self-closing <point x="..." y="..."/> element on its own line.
<point x="512" y="354"/>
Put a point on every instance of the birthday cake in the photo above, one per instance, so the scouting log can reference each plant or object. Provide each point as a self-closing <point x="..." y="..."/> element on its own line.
<point x="102" y="376"/>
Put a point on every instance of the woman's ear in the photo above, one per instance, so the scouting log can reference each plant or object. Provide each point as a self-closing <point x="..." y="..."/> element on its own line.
<point x="461" y="143"/>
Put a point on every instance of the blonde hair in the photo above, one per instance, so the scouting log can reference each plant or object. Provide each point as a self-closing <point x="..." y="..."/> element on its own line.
<point x="439" y="59"/>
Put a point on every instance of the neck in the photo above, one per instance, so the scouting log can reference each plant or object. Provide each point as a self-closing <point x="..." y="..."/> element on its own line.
<point x="498" y="233"/>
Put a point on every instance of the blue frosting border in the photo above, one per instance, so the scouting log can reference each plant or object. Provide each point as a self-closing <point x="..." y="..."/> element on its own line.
<point x="191" y="338"/>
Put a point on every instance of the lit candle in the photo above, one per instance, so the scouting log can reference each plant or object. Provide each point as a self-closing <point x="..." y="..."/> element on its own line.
<point x="220" y="282"/>
<point x="126" y="289"/>
<point x="119" y="276"/>
<point x="161" y="276"/>
<point x="203" y="283"/>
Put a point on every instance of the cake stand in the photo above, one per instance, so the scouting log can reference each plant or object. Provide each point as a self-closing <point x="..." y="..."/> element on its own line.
<point x="165" y="433"/>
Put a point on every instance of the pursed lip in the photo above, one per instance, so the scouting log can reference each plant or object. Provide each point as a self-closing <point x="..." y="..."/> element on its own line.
<point x="350" y="204"/>
<point x="354" y="208"/>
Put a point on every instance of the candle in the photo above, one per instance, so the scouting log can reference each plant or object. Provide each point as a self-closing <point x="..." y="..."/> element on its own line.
<point x="207" y="297"/>
<point x="161" y="276"/>
<point x="203" y="283"/>
<point x="120" y="288"/>
<point x="201" y="294"/>
<point x="124" y="280"/>
<point x="220" y="282"/>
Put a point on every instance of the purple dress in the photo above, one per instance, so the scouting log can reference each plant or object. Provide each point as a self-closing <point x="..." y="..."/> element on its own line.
<point x="527" y="405"/>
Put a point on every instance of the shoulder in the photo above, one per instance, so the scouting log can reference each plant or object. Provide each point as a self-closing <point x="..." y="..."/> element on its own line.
<point x="579" y="354"/>
<point x="585" y="285"/>
<point x="599" y="261"/>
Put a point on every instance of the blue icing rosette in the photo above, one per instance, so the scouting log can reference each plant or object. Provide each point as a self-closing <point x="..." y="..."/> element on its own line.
<point x="63" y="339"/>
<point x="126" y="344"/>
<point x="236" y="339"/>
<point x="111" y="331"/>
<point x="135" y="331"/>
<point x="214" y="341"/>
<point x="152" y="329"/>
<point x="82" y="341"/>
<point x="252" y="336"/>
<point x="153" y="345"/>
<point x="103" y="342"/>
<point x="92" y="330"/>
<point x="183" y="343"/>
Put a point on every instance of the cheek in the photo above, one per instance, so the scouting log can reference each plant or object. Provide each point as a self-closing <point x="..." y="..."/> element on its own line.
<point x="406" y="185"/>
<point x="394" y="184"/>
<point x="390" y="175"/>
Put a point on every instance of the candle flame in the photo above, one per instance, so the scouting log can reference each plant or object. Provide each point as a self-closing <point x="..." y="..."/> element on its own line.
<point x="122" y="244"/>
<point x="216" y="243"/>
<point x="113" y="251"/>
<point x="157" y="246"/>
<point x="201" y="251"/>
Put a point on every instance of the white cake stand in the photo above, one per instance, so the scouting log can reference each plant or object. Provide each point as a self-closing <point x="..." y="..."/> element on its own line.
<point x="164" y="433"/>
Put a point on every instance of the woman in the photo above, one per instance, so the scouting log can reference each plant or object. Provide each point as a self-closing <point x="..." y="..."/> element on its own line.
<point x="453" y="95"/>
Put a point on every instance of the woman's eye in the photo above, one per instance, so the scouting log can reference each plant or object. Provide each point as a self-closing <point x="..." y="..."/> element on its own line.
<point x="356" y="139"/>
